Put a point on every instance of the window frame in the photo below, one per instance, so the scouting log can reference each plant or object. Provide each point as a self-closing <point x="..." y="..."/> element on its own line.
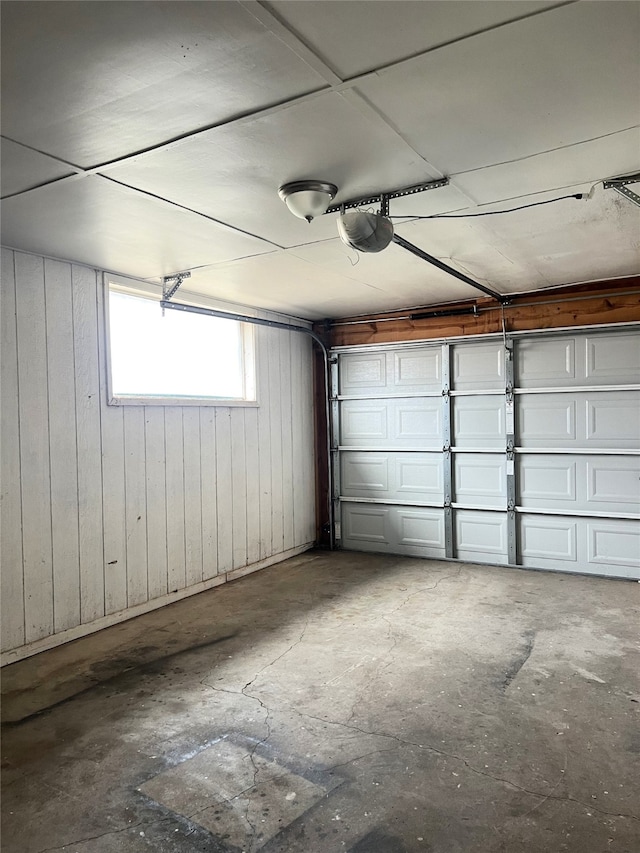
<point x="153" y="292"/>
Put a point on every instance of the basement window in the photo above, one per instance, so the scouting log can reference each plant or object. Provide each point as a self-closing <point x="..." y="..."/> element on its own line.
<point x="176" y="359"/>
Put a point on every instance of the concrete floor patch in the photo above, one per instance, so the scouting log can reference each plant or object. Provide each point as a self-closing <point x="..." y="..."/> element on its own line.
<point x="240" y="797"/>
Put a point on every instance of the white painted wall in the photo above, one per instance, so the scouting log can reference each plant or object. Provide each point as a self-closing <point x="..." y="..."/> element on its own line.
<point x="111" y="511"/>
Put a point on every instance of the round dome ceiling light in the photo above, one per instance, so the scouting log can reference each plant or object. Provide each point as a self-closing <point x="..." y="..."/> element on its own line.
<point x="308" y="199"/>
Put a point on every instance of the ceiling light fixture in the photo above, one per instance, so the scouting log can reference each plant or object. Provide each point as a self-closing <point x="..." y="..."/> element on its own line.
<point x="308" y="199"/>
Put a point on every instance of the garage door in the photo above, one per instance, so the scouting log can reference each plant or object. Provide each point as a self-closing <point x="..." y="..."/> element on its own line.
<point x="523" y="450"/>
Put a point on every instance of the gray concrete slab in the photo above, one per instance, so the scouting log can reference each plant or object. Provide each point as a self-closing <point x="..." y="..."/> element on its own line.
<point x="338" y="702"/>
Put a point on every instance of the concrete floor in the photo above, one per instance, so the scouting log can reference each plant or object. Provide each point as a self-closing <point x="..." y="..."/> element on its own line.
<point x="338" y="702"/>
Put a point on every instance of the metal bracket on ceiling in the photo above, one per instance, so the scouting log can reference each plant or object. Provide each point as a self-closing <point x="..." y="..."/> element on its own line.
<point x="169" y="291"/>
<point x="383" y="198"/>
<point x="620" y="185"/>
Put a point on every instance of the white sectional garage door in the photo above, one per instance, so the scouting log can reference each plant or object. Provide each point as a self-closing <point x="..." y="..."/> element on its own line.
<point x="522" y="451"/>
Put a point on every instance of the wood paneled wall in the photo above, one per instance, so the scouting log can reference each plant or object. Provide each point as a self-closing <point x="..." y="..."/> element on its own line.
<point x="110" y="511"/>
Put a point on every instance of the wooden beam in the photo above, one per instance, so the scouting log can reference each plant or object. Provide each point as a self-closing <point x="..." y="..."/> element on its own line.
<point x="604" y="302"/>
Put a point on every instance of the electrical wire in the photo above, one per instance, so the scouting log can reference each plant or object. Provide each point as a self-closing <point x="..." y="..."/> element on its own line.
<point x="490" y="212"/>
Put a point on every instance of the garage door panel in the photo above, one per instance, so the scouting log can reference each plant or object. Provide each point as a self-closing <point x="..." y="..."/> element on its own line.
<point x="393" y="530"/>
<point x="481" y="536"/>
<point x="544" y="420"/>
<point x="417" y="423"/>
<point x="546" y="363"/>
<point x="417" y="370"/>
<point x="392" y="476"/>
<point x="613" y="420"/>
<point x="364" y="475"/>
<point x="418" y="476"/>
<point x="612" y="359"/>
<point x="613" y="483"/>
<point x="607" y="419"/>
<point x="420" y="528"/>
<point x="579" y="483"/>
<point x="480" y="479"/>
<point x="549" y="538"/>
<point x="363" y="523"/>
<point x="546" y="481"/>
<point x="614" y="542"/>
<point x="575" y="360"/>
<point x="395" y="423"/>
<point x="478" y="366"/>
<point x="363" y="374"/>
<point x="588" y="545"/>
<point x="479" y="422"/>
<point x="363" y="422"/>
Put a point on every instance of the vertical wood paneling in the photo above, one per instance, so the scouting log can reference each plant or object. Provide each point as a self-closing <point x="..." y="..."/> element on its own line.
<point x="136" y="504"/>
<point x="224" y="487"/>
<point x="275" y="418"/>
<point x="192" y="495"/>
<point x="34" y="447"/>
<point x="88" y="425"/>
<point x="156" y="502"/>
<point x="114" y="551"/>
<point x="209" y="493"/>
<point x="174" y="450"/>
<point x="253" y="484"/>
<point x="287" y="398"/>
<point x="12" y="599"/>
<point x="115" y="536"/>
<point x="264" y="439"/>
<point x="124" y="504"/>
<point x="62" y="443"/>
<point x="238" y="488"/>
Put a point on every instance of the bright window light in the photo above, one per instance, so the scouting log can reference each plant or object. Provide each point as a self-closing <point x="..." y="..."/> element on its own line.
<point x="178" y="356"/>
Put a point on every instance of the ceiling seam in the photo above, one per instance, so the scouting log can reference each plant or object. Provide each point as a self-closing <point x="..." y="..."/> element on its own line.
<point x="547" y="151"/>
<point x="406" y="60"/>
<point x="191" y="210"/>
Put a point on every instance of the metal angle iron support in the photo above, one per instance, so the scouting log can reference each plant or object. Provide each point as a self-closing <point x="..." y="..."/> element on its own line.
<point x="510" y="429"/>
<point x="425" y="256"/>
<point x="384" y="198"/>
<point x="289" y="327"/>
<point x="335" y="441"/>
<point x="447" y="459"/>
<point x="620" y="185"/>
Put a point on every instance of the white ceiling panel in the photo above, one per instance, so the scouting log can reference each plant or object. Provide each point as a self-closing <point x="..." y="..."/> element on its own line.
<point x="23" y="168"/>
<point x="559" y="78"/>
<point x="233" y="173"/>
<point x="400" y="278"/>
<point x="283" y="282"/>
<point x="354" y="37"/>
<point x="105" y="79"/>
<point x="573" y="241"/>
<point x="98" y="222"/>
<point x="609" y="157"/>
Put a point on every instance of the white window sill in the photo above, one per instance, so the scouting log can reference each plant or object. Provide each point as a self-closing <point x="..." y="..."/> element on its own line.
<point x="181" y="401"/>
